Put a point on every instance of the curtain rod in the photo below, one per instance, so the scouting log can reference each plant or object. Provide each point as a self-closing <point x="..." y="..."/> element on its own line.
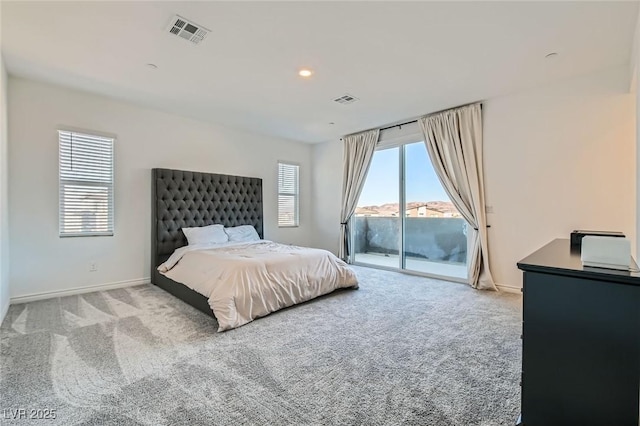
<point x="399" y="125"/>
<point x="426" y="115"/>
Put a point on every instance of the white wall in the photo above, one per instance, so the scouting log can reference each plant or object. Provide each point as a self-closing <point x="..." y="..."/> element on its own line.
<point x="636" y="92"/>
<point x="4" y="211"/>
<point x="43" y="262"/>
<point x="557" y="158"/>
<point x="327" y="194"/>
<point x="634" y="83"/>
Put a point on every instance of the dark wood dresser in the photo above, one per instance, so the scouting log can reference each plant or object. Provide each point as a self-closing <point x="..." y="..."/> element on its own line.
<point x="580" y="341"/>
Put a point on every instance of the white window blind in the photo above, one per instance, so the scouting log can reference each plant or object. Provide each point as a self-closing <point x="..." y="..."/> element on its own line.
<point x="86" y="184"/>
<point x="288" y="194"/>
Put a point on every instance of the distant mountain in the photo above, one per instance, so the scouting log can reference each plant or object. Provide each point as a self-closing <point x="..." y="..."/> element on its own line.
<point x="392" y="209"/>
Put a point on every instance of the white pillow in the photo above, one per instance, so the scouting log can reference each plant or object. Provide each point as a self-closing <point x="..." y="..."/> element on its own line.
<point x="212" y="234"/>
<point x="242" y="233"/>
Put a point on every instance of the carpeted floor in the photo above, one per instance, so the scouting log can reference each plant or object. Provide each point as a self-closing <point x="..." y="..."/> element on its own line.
<point x="400" y="350"/>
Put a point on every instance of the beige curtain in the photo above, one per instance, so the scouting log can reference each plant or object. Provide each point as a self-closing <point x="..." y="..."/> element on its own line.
<point x="357" y="154"/>
<point x="454" y="143"/>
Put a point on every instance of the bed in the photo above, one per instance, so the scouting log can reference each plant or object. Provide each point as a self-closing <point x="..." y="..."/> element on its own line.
<point x="182" y="199"/>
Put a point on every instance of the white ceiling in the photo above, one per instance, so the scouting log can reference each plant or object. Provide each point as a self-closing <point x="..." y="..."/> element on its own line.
<point x="401" y="59"/>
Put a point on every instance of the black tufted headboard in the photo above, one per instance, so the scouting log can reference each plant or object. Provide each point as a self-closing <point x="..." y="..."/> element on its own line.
<point x="184" y="199"/>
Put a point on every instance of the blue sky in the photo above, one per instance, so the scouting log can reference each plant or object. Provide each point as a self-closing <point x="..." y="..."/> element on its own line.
<point x="382" y="181"/>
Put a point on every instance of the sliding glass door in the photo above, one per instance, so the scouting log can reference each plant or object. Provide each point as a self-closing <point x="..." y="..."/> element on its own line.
<point x="435" y="240"/>
<point x="405" y="220"/>
<point x="378" y="223"/>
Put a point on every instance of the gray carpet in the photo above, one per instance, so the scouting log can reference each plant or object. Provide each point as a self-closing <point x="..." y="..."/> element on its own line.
<point x="400" y="350"/>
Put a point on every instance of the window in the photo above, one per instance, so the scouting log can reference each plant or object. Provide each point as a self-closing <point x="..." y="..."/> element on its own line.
<point x="86" y="184"/>
<point x="288" y="194"/>
<point x="404" y="218"/>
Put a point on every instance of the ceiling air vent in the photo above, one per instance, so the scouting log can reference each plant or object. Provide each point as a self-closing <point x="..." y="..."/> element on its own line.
<point x="346" y="99"/>
<point x="187" y="30"/>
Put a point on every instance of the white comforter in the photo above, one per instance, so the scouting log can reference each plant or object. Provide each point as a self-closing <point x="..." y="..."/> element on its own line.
<point x="244" y="281"/>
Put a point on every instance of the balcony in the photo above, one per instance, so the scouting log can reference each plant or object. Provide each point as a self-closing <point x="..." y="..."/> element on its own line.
<point x="433" y="245"/>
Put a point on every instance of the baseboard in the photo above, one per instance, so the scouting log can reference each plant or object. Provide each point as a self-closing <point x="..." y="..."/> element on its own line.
<point x="78" y="290"/>
<point x="3" y="311"/>
<point x="509" y="289"/>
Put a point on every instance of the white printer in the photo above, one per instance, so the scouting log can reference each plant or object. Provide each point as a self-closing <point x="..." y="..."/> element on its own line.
<point x="606" y="252"/>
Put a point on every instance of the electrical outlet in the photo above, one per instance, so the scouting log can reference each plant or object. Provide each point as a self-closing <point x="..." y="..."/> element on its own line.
<point x="93" y="267"/>
<point x="489" y="209"/>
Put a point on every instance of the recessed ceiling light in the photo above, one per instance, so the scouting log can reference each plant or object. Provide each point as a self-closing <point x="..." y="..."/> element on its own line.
<point x="152" y="66"/>
<point x="305" y="72"/>
<point x="551" y="55"/>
